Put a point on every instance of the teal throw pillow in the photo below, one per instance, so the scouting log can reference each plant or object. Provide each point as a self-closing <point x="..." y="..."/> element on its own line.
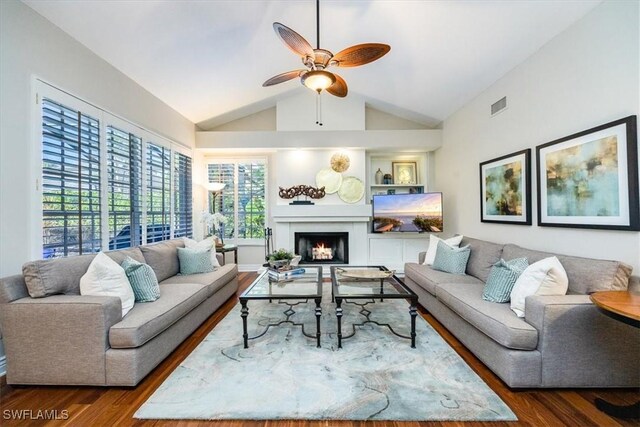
<point x="451" y="260"/>
<point x="194" y="261"/>
<point x="502" y="277"/>
<point x="143" y="280"/>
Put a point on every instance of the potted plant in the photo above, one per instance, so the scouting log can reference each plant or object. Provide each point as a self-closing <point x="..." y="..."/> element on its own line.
<point x="280" y="258"/>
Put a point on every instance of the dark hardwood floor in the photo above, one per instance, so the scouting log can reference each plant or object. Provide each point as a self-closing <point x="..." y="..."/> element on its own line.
<point x="98" y="406"/>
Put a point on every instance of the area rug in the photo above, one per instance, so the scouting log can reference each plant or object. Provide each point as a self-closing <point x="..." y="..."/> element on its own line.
<point x="283" y="375"/>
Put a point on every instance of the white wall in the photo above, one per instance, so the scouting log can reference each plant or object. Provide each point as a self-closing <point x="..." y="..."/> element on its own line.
<point x="298" y="112"/>
<point x="31" y="47"/>
<point x="586" y="76"/>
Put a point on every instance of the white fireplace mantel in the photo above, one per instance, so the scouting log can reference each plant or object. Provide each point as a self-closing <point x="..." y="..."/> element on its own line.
<point x="321" y="213"/>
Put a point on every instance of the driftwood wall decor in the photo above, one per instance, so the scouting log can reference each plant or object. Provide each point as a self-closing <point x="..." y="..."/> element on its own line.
<point x="302" y="190"/>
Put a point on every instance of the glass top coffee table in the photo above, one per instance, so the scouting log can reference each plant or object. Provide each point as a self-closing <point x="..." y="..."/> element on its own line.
<point x="361" y="283"/>
<point x="300" y="287"/>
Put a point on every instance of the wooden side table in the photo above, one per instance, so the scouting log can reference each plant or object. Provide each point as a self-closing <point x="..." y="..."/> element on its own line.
<point x="228" y="248"/>
<point x="623" y="306"/>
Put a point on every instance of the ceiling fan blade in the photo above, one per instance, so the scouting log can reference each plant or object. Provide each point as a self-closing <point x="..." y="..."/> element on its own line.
<point x="339" y="88"/>
<point x="293" y="40"/>
<point x="280" y="78"/>
<point x="360" y="54"/>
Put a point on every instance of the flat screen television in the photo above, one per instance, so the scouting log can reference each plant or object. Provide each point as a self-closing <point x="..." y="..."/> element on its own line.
<point x="407" y="213"/>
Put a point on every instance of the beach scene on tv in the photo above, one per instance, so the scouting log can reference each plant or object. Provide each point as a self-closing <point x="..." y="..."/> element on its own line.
<point x="408" y="213"/>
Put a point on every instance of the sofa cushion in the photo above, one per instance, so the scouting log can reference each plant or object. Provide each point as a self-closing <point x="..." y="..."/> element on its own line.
<point x="148" y="319"/>
<point x="121" y="254"/>
<point x="483" y="256"/>
<point x="428" y="278"/>
<point x="213" y="280"/>
<point x="55" y="276"/>
<point x="586" y="275"/>
<point x="163" y="257"/>
<point x="497" y="321"/>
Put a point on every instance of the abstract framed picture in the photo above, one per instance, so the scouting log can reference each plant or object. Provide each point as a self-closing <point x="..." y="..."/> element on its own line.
<point x="505" y="189"/>
<point x="405" y="172"/>
<point x="590" y="179"/>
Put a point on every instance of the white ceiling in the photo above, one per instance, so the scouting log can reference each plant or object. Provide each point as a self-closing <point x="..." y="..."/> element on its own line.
<point x="208" y="59"/>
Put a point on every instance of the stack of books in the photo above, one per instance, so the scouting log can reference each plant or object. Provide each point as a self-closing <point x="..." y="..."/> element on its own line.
<point x="282" y="275"/>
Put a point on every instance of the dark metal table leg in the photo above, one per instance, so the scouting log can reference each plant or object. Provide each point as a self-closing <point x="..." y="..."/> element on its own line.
<point x="630" y="412"/>
<point x="413" y="311"/>
<point x="381" y="289"/>
<point x="244" y="313"/>
<point x="339" y="316"/>
<point x="318" y="315"/>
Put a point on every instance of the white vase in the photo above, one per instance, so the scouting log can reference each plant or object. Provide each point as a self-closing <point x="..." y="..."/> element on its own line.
<point x="379" y="175"/>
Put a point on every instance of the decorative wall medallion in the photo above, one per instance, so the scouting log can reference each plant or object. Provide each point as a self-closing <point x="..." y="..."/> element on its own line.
<point x="329" y="179"/>
<point x="351" y="190"/>
<point x="340" y="162"/>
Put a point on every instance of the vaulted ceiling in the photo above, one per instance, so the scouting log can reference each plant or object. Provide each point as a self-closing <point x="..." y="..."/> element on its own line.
<point x="208" y="59"/>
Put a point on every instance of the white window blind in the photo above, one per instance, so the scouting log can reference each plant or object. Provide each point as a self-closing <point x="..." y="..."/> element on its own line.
<point x="124" y="195"/>
<point x="158" y="193"/>
<point x="70" y="181"/>
<point x="243" y="199"/>
<point x="183" y="197"/>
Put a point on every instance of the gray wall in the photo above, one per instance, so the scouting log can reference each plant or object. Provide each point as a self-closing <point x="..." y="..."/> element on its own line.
<point x="586" y="76"/>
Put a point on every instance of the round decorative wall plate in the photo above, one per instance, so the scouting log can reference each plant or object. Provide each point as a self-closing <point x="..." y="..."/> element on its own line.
<point x="351" y="190"/>
<point x="329" y="179"/>
<point x="340" y="162"/>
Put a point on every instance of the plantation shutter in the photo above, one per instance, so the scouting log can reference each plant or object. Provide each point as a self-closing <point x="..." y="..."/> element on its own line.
<point x="183" y="198"/>
<point x="251" y="196"/>
<point x="70" y="181"/>
<point x="124" y="199"/>
<point x="158" y="193"/>
<point x="225" y="201"/>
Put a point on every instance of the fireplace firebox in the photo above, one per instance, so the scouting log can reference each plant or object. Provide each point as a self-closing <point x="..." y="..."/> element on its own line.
<point x="322" y="247"/>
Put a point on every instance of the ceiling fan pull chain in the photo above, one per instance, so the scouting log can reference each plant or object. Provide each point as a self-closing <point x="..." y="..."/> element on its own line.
<point x="317" y="111"/>
<point x="320" y="108"/>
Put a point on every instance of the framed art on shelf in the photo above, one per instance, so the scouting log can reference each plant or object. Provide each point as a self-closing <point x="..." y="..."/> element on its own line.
<point x="590" y="179"/>
<point x="505" y="189"/>
<point x="405" y="172"/>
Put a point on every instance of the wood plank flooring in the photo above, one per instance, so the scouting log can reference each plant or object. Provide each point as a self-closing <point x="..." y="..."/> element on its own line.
<point x="99" y="406"/>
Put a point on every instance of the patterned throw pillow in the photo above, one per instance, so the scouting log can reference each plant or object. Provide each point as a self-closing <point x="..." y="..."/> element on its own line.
<point x="194" y="261"/>
<point x="451" y="260"/>
<point x="143" y="280"/>
<point x="501" y="279"/>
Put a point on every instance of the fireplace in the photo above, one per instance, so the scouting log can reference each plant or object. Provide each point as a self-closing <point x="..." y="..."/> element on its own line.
<point x="322" y="247"/>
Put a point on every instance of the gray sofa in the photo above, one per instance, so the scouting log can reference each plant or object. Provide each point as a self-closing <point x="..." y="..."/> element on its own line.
<point x="564" y="341"/>
<point x="54" y="335"/>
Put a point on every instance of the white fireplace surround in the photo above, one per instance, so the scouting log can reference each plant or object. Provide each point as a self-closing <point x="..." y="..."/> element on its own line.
<point x="352" y="219"/>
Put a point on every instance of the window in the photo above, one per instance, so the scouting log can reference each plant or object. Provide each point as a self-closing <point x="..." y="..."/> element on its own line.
<point x="70" y="181"/>
<point x="124" y="195"/>
<point x="242" y="201"/>
<point x="183" y="197"/>
<point x="104" y="184"/>
<point x="158" y="193"/>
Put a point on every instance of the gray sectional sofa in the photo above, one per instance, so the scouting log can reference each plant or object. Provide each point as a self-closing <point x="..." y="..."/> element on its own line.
<point x="54" y="335"/>
<point x="563" y="341"/>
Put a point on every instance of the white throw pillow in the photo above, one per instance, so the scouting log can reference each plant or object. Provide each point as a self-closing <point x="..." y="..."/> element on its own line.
<point x="105" y="277"/>
<point x="206" y="244"/>
<point x="545" y="277"/>
<point x="454" y="242"/>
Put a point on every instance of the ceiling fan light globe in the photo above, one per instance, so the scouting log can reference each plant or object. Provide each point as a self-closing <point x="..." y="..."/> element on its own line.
<point x="318" y="80"/>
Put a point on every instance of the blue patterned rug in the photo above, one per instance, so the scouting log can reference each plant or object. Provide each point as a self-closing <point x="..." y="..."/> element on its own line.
<point x="282" y="375"/>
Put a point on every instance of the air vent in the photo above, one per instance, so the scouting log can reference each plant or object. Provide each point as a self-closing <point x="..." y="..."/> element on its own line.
<point x="498" y="106"/>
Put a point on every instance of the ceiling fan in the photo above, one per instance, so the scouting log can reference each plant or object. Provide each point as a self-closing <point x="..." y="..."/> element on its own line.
<point x="316" y="61"/>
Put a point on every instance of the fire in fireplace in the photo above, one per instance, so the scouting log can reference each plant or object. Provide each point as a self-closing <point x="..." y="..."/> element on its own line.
<point x="322" y="248"/>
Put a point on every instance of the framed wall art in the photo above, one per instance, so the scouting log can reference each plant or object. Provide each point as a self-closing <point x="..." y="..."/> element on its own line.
<point x="405" y="172"/>
<point x="505" y="189"/>
<point x="590" y="179"/>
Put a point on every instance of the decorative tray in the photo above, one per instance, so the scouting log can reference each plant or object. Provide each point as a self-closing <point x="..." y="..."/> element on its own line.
<point x="369" y="273"/>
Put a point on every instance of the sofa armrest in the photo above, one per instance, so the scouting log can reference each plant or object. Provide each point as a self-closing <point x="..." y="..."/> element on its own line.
<point x="582" y="346"/>
<point x="421" y="257"/>
<point x="61" y="339"/>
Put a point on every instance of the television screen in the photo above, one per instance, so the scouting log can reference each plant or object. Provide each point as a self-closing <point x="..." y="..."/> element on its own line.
<point x="415" y="213"/>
